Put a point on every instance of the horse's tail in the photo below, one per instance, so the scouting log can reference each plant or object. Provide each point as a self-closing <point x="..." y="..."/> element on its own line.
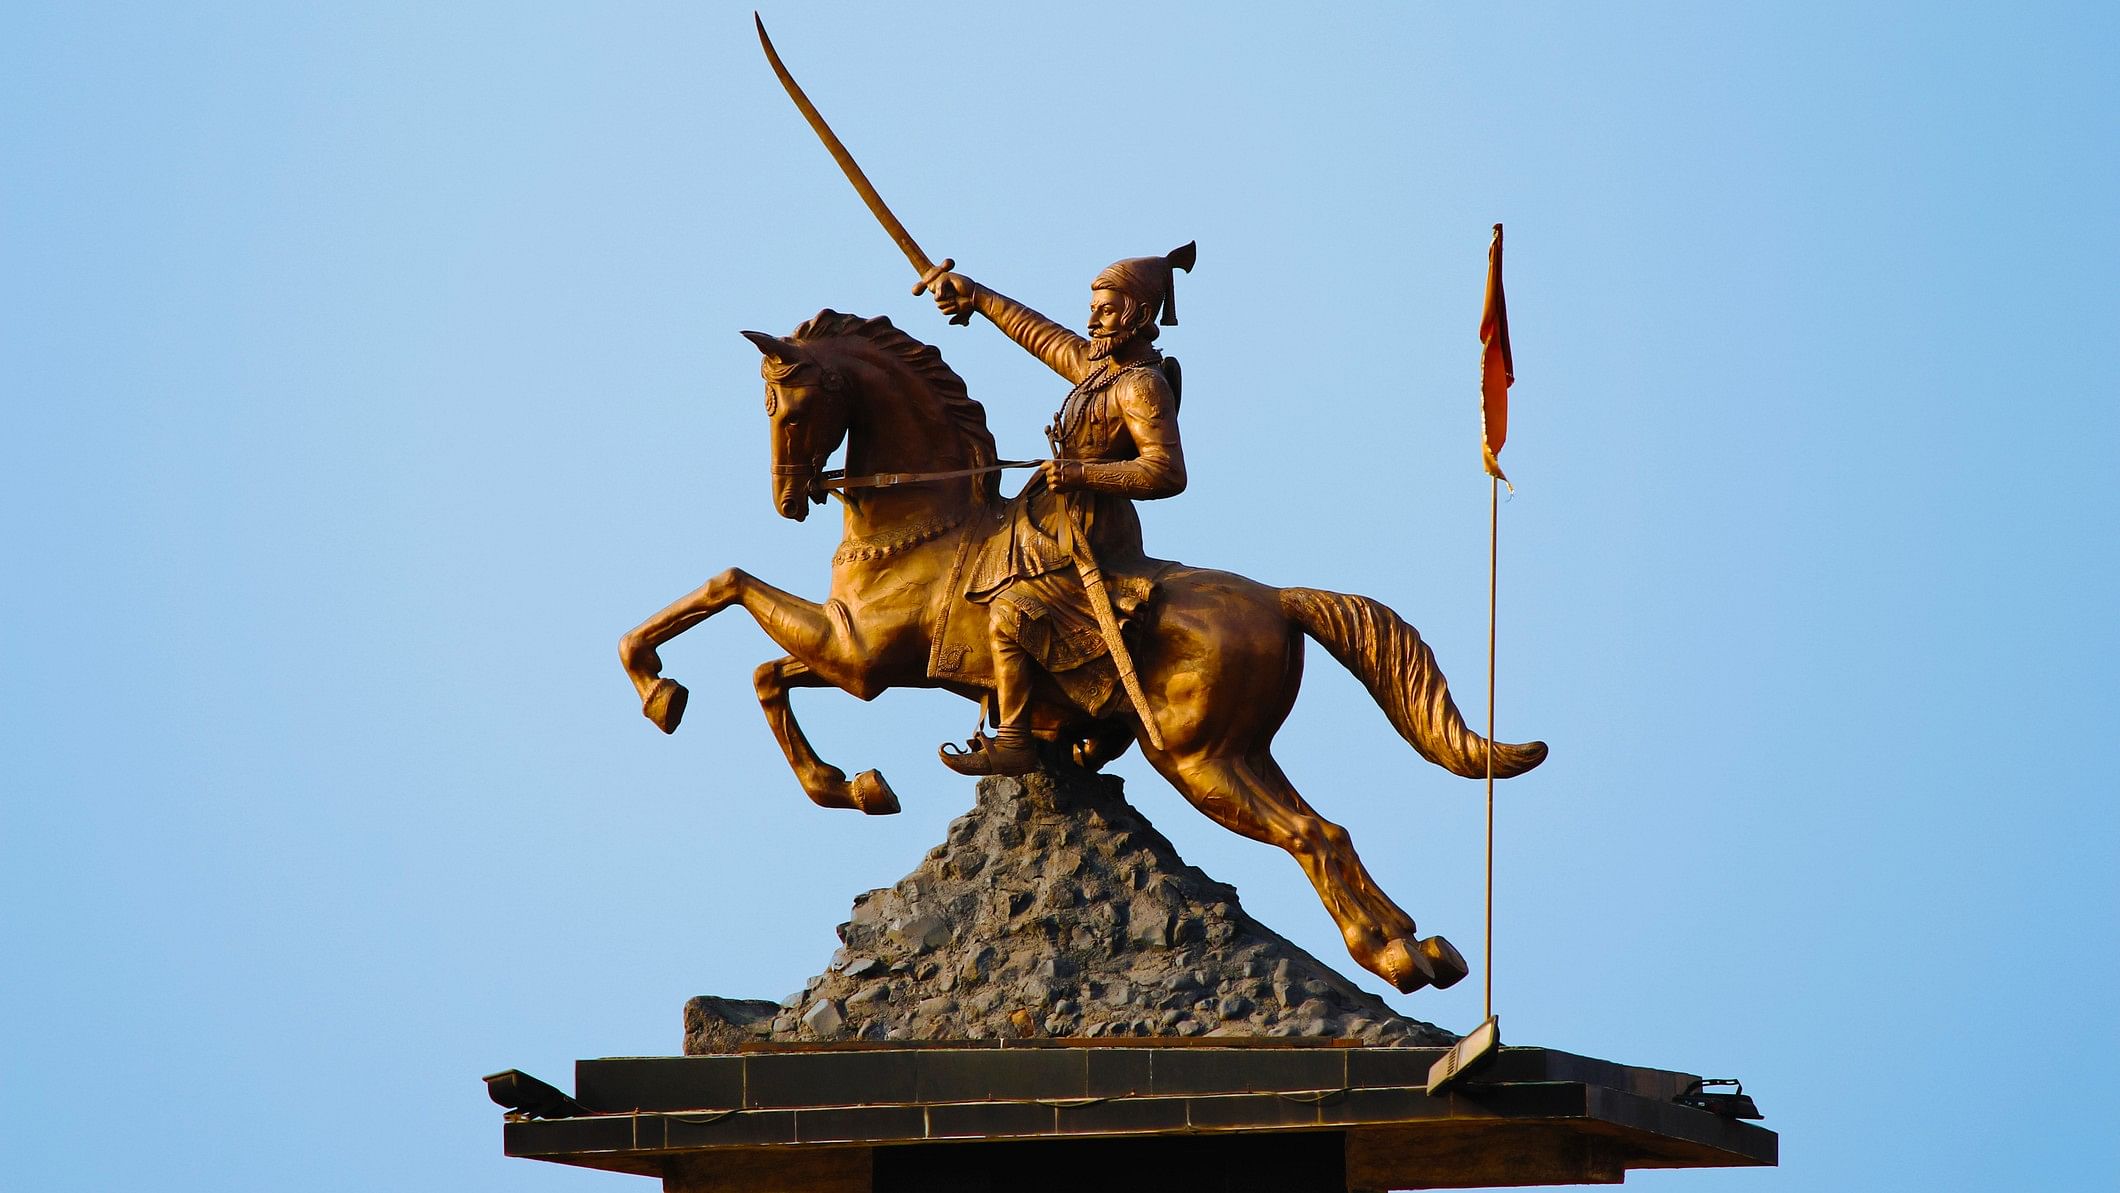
<point x="1399" y="670"/>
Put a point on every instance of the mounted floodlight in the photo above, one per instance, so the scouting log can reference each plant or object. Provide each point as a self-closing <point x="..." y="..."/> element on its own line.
<point x="1737" y="1104"/>
<point x="526" y="1095"/>
<point x="1479" y="1046"/>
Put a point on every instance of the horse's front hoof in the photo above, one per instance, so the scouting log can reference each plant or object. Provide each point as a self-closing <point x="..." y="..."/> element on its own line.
<point x="665" y="704"/>
<point x="1444" y="965"/>
<point x="874" y="796"/>
<point x="1400" y="964"/>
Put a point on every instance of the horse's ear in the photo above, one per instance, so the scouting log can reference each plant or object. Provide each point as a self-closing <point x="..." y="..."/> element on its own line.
<point x="781" y="352"/>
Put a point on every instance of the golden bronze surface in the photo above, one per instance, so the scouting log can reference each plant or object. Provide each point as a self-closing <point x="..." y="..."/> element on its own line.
<point x="1045" y="607"/>
<point x="941" y="583"/>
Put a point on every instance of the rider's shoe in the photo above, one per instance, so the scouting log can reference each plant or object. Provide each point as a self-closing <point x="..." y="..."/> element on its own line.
<point x="1008" y="752"/>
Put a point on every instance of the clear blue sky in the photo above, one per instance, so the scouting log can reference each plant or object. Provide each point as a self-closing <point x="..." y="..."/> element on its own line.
<point x="366" y="370"/>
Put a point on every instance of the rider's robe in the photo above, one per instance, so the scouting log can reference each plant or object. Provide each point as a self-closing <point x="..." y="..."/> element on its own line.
<point x="1122" y="421"/>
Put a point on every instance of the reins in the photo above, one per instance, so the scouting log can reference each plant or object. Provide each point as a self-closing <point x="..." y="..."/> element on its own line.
<point x="836" y="479"/>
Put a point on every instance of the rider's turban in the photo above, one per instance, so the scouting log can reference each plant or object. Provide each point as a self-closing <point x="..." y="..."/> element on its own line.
<point x="1148" y="280"/>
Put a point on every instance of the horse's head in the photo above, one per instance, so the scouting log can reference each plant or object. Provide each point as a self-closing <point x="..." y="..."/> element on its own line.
<point x="808" y="402"/>
<point x="890" y="398"/>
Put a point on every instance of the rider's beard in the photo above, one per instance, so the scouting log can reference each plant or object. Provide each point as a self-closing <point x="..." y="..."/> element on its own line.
<point x="1102" y="347"/>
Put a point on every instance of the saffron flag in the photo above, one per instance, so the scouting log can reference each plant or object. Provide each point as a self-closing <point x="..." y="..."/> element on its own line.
<point x="1496" y="369"/>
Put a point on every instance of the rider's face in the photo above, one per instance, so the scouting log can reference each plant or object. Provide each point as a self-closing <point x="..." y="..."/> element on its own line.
<point x="1109" y="313"/>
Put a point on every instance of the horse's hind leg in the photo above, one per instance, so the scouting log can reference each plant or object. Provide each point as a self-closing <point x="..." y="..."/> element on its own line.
<point x="825" y="784"/>
<point x="1250" y="795"/>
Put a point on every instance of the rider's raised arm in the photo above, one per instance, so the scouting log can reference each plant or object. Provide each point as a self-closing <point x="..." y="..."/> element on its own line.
<point x="1151" y="414"/>
<point x="1062" y="350"/>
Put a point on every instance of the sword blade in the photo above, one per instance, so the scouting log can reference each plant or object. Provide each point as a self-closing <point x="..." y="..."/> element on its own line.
<point x="847" y="164"/>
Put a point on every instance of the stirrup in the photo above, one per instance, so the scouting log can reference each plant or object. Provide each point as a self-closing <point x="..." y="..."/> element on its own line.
<point x="983" y="755"/>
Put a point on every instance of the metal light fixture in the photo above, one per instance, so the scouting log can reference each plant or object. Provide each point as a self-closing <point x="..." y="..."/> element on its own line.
<point x="1736" y="1104"/>
<point x="527" y="1096"/>
<point x="1478" y="1047"/>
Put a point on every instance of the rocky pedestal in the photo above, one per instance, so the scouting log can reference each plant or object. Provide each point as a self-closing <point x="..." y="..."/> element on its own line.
<point x="1055" y="909"/>
<point x="1008" y="1017"/>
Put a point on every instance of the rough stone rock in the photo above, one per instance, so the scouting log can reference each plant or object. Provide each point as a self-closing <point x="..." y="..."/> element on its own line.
<point x="720" y="1024"/>
<point x="1054" y="908"/>
<point x="823" y="1019"/>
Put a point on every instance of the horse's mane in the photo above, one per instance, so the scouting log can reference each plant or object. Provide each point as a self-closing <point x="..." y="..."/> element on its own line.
<point x="925" y="362"/>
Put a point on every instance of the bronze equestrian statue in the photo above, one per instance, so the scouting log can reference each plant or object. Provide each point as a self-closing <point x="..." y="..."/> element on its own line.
<point x="1045" y="607"/>
<point x="1219" y="657"/>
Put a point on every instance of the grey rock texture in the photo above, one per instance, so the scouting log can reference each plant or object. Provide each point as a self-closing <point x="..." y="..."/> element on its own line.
<point x="720" y="1024"/>
<point x="1055" y="909"/>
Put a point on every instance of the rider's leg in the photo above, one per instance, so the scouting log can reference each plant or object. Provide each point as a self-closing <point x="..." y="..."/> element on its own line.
<point x="1011" y="751"/>
<point x="1012" y="701"/>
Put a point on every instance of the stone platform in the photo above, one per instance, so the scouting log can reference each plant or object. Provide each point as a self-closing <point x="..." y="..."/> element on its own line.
<point x="1054" y="1000"/>
<point x="1033" y="1115"/>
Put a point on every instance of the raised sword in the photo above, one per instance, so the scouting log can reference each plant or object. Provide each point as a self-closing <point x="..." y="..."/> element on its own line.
<point x="929" y="271"/>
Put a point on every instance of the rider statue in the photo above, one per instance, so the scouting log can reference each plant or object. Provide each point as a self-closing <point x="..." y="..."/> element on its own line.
<point x="1115" y="441"/>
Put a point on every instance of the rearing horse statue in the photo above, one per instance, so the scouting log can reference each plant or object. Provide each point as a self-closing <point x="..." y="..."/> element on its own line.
<point x="1220" y="657"/>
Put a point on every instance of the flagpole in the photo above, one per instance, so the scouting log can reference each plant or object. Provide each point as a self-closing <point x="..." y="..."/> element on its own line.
<point x="1484" y="1042"/>
<point x="1494" y="535"/>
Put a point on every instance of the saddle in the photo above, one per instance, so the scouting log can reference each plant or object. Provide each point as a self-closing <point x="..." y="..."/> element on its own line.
<point x="1010" y="576"/>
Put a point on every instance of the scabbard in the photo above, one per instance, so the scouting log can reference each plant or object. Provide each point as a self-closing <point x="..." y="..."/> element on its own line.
<point x="1100" y="604"/>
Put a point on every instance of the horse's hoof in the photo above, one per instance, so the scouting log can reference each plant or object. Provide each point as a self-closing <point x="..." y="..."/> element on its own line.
<point x="665" y="704"/>
<point x="874" y="796"/>
<point x="1097" y="748"/>
<point x="1400" y="964"/>
<point x="1441" y="961"/>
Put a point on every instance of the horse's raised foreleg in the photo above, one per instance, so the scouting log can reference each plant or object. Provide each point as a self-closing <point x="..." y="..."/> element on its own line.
<point x="825" y="784"/>
<point x="800" y="627"/>
<point x="1251" y="796"/>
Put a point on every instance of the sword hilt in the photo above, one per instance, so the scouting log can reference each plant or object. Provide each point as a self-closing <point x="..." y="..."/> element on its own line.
<point x="932" y="277"/>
